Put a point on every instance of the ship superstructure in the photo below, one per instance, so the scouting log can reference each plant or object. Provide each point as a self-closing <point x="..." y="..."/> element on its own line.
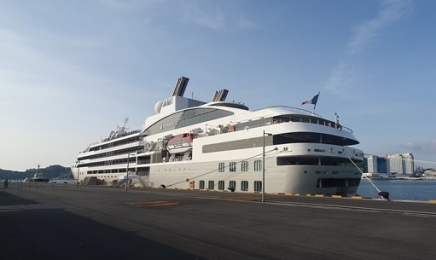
<point x="220" y="145"/>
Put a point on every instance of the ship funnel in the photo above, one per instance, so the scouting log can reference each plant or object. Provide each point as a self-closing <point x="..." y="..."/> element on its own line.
<point x="220" y="95"/>
<point x="181" y="85"/>
<point x="214" y="96"/>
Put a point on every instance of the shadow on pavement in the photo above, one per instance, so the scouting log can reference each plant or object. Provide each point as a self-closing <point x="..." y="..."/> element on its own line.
<point x="9" y="199"/>
<point x="57" y="234"/>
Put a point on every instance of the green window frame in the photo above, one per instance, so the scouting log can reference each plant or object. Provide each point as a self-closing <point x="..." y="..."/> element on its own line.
<point x="221" y="167"/>
<point x="211" y="185"/>
<point x="221" y="185"/>
<point x="232" y="184"/>
<point x="244" y="166"/>
<point x="257" y="186"/>
<point x="257" y="165"/>
<point x="244" y="185"/>
<point x="232" y="167"/>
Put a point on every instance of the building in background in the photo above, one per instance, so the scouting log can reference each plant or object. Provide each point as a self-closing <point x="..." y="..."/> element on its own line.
<point x="419" y="170"/>
<point x="396" y="163"/>
<point x="372" y="163"/>
<point x="408" y="163"/>
<point x="378" y="164"/>
<point x="430" y="173"/>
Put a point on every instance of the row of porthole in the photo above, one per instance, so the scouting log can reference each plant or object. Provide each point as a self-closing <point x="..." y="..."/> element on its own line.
<point x="323" y="172"/>
<point x="231" y="185"/>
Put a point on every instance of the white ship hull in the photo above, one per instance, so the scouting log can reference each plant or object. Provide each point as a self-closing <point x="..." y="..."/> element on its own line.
<point x="290" y="179"/>
<point x="283" y="179"/>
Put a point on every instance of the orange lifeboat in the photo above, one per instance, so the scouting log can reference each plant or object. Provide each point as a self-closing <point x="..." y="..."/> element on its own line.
<point x="180" y="143"/>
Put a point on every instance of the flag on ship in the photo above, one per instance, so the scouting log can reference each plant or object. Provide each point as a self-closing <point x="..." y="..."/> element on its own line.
<point x="311" y="101"/>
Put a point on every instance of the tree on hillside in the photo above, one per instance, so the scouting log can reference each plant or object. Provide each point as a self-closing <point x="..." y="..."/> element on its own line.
<point x="53" y="171"/>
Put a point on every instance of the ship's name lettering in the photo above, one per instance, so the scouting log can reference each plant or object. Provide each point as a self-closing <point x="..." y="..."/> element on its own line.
<point x="169" y="125"/>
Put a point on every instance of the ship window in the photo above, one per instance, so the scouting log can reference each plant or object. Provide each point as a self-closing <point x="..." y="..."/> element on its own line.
<point x="232" y="185"/>
<point x="339" y="182"/>
<point x="244" y="166"/>
<point x="201" y="185"/>
<point x="220" y="185"/>
<point x="257" y="186"/>
<point x="330" y="161"/>
<point x="187" y="118"/>
<point x="232" y="166"/>
<point x="257" y="165"/>
<point x="296" y="160"/>
<point x="221" y="167"/>
<point x="211" y="185"/>
<point x="244" y="185"/>
<point x="308" y="137"/>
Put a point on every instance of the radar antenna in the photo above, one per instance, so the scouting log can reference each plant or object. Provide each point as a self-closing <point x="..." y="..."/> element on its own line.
<point x="125" y="121"/>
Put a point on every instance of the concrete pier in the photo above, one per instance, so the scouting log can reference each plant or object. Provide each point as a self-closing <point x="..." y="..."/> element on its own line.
<point x="81" y="222"/>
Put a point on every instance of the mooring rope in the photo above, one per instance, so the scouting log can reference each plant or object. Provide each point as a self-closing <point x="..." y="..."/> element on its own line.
<point x="366" y="177"/>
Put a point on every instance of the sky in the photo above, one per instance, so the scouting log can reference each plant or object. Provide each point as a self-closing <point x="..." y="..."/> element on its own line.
<point x="71" y="71"/>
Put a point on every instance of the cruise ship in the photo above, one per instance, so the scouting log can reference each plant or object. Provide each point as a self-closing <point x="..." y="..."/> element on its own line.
<point x="224" y="146"/>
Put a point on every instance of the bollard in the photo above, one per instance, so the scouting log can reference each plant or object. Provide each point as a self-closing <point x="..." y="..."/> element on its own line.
<point x="384" y="195"/>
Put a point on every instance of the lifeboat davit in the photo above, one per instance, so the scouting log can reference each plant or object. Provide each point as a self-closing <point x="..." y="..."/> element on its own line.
<point x="180" y="143"/>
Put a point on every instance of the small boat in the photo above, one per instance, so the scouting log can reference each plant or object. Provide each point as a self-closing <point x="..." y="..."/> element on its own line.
<point x="38" y="177"/>
<point x="180" y="143"/>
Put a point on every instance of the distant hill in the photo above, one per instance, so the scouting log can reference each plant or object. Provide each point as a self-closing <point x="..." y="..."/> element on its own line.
<point x="53" y="171"/>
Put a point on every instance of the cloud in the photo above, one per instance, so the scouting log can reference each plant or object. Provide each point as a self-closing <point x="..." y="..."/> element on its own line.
<point x="20" y="51"/>
<point x="202" y="13"/>
<point x="29" y="71"/>
<point x="128" y="4"/>
<point x="216" y="18"/>
<point x="340" y="79"/>
<point x="428" y="147"/>
<point x="246" y="24"/>
<point x="391" y="11"/>
<point x="431" y="146"/>
<point x="411" y="146"/>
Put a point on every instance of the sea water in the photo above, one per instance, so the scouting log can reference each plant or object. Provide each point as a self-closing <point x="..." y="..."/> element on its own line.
<point x="421" y="190"/>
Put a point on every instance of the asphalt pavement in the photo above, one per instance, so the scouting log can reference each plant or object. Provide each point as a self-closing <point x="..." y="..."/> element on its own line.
<point x="40" y="221"/>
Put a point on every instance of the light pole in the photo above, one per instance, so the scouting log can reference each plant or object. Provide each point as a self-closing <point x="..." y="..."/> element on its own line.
<point x="127" y="170"/>
<point x="263" y="165"/>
